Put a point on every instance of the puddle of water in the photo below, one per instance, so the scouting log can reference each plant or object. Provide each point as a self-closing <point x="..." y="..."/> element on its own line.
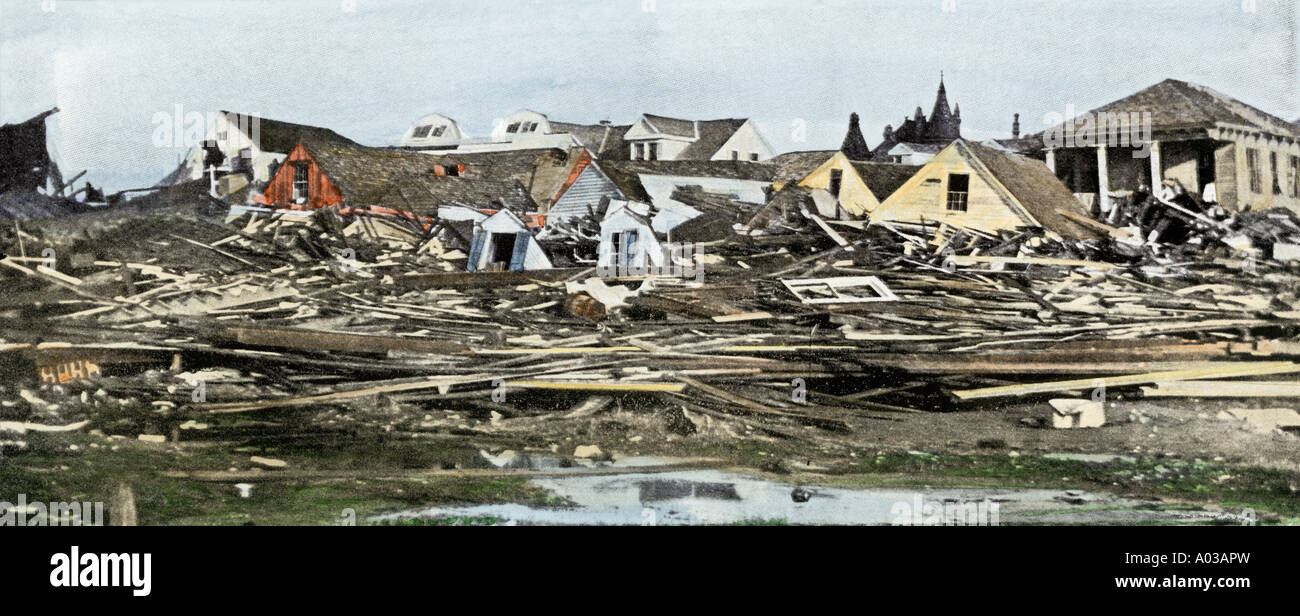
<point x="510" y="459"/>
<point x="693" y="497"/>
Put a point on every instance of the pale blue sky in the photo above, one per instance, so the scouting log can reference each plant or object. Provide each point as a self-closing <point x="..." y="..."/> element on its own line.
<point x="368" y="73"/>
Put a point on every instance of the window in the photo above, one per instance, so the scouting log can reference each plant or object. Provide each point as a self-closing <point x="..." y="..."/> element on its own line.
<point x="421" y="131"/>
<point x="513" y="128"/>
<point x="1252" y="165"/>
<point x="300" y="171"/>
<point x="639" y="154"/>
<point x="753" y="156"/>
<point x="1272" y="164"/>
<point x="1295" y="176"/>
<point x="958" y="188"/>
<point x="735" y="155"/>
<point x="437" y="132"/>
<point x="837" y="180"/>
<point x="654" y="151"/>
<point x="623" y="248"/>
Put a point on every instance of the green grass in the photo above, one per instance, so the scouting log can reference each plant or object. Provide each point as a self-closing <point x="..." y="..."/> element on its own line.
<point x="50" y="471"/>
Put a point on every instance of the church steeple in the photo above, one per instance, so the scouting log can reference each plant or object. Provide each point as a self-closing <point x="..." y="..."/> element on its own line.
<point x="941" y="110"/>
<point x="855" y="145"/>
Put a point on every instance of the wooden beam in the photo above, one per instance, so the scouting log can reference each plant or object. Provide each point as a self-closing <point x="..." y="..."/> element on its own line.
<point x="1244" y="369"/>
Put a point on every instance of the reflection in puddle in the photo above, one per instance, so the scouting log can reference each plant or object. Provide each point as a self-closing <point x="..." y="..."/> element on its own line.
<point x="667" y="489"/>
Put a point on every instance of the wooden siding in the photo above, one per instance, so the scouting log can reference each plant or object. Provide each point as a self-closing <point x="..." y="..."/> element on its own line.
<point x="855" y="197"/>
<point x="925" y="197"/>
<point x="320" y="191"/>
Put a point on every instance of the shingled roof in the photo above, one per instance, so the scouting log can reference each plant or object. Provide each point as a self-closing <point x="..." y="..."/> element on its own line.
<point x="406" y="180"/>
<point x="1034" y="187"/>
<point x="794" y="166"/>
<point x="1176" y="105"/>
<point x="731" y="169"/>
<point x="281" y="137"/>
<point x="602" y="140"/>
<point x="884" y="178"/>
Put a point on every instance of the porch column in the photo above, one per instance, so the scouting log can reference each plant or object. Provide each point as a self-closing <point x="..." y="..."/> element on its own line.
<point x="1103" y="180"/>
<point x="1156" y="172"/>
<point x="1051" y="160"/>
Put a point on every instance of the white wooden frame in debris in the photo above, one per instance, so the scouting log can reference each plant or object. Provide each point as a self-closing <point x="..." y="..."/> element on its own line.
<point x="835" y="285"/>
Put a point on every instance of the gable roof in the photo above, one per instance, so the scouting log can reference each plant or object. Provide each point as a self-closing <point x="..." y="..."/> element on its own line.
<point x="406" y="180"/>
<point x="543" y="171"/>
<point x="730" y="169"/>
<point x="671" y="126"/>
<point x="713" y="135"/>
<point x="1175" y="104"/>
<point x="794" y="166"/>
<point x="708" y="135"/>
<point x="884" y="178"/>
<point x="1035" y="188"/>
<point x="602" y="140"/>
<point x="281" y="137"/>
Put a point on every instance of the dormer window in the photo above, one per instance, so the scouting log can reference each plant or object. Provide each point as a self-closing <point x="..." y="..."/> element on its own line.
<point x="437" y="132"/>
<point x="421" y="131"/>
<point x="300" y="171"/>
<point x="513" y="128"/>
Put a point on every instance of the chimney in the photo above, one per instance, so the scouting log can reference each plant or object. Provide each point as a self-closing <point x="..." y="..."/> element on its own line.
<point x="1015" y="127"/>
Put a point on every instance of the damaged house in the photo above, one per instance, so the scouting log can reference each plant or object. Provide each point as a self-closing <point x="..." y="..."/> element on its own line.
<point x="248" y="149"/>
<point x="972" y="186"/>
<point x="382" y="181"/>
<point x="503" y="241"/>
<point x="853" y="189"/>
<point x="656" y="181"/>
<point x="1215" y="146"/>
<point x="627" y="238"/>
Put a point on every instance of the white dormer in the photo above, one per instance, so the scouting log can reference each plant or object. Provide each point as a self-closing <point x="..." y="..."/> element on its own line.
<point x="433" y="130"/>
<point x="521" y="125"/>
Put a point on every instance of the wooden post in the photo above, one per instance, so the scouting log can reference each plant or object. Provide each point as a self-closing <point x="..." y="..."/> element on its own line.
<point x="1103" y="180"/>
<point x="1051" y="160"/>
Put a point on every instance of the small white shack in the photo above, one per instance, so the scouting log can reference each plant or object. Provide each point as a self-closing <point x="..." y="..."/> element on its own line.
<point x="502" y="241"/>
<point x="627" y="239"/>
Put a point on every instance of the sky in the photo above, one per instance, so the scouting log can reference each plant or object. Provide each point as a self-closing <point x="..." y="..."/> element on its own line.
<point x="369" y="68"/>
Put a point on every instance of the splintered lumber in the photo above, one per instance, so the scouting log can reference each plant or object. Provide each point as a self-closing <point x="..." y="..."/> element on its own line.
<point x="308" y="340"/>
<point x="1224" y="389"/>
<point x="1244" y="369"/>
<point x="593" y="386"/>
<point x="743" y="316"/>
<point x="973" y="259"/>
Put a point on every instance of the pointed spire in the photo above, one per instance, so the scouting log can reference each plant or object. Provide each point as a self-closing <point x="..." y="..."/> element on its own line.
<point x="855" y="145"/>
<point x="956" y="110"/>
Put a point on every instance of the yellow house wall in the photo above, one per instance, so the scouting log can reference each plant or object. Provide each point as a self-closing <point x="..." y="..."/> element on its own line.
<point x="855" y="197"/>
<point x="918" y="200"/>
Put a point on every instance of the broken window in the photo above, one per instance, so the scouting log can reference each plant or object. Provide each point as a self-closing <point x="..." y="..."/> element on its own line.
<point x="623" y="247"/>
<point x="844" y="290"/>
<point x="513" y="128"/>
<point x="300" y="172"/>
<point x="837" y="181"/>
<point x="421" y="131"/>
<point x="503" y="248"/>
<point x="1252" y="166"/>
<point x="654" y="151"/>
<point x="958" y="189"/>
<point x="1272" y="164"/>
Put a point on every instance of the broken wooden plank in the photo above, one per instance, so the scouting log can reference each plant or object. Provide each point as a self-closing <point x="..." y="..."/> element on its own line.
<point x="1244" y="369"/>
